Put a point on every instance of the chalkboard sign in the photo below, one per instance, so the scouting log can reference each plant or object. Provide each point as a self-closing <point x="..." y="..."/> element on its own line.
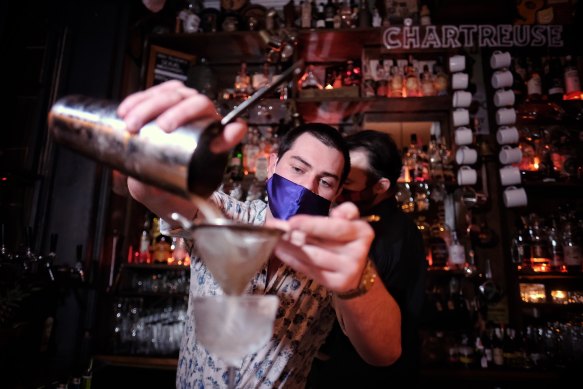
<point x="165" y="64"/>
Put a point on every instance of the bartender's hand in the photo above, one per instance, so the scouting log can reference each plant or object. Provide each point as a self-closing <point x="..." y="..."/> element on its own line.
<point x="331" y="250"/>
<point x="171" y="105"/>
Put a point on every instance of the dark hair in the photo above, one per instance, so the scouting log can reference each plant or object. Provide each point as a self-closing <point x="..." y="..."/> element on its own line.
<point x="326" y="134"/>
<point x="384" y="158"/>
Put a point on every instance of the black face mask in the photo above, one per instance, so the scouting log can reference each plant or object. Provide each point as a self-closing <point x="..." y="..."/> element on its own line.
<point x="363" y="199"/>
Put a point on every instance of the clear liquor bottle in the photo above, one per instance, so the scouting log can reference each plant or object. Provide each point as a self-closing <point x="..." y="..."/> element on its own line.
<point x="540" y="258"/>
<point x="572" y="80"/>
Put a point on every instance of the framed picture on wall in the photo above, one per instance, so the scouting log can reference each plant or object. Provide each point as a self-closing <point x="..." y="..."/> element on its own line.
<point x="166" y="64"/>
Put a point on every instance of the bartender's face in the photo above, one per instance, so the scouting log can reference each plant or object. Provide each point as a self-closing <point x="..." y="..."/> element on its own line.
<point x="311" y="164"/>
<point x="360" y="187"/>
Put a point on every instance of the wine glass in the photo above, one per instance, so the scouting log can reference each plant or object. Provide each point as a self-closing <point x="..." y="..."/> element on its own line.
<point x="231" y="327"/>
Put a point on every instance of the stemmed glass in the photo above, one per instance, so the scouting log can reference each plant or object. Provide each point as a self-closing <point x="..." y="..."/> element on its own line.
<point x="232" y="327"/>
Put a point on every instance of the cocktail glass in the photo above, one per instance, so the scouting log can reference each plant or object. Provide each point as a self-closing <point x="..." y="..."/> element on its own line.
<point x="231" y="327"/>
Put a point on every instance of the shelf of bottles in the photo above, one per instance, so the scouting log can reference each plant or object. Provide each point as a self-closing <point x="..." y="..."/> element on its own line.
<point x="548" y="346"/>
<point x="548" y="106"/>
<point x="150" y="295"/>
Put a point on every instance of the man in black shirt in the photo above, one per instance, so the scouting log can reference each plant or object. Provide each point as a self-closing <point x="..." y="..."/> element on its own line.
<point x="399" y="256"/>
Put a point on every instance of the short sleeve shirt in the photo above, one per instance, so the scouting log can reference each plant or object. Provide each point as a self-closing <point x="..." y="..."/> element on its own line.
<point x="303" y="320"/>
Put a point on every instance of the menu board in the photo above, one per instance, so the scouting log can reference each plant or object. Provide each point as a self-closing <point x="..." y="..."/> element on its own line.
<point x="166" y="64"/>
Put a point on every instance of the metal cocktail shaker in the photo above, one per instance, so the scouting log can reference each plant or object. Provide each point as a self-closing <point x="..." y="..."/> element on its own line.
<point x="180" y="162"/>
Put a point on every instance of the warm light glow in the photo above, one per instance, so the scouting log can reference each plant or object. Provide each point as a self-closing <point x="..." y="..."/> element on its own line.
<point x="541" y="265"/>
<point x="559" y="296"/>
<point x="536" y="163"/>
<point x="532" y="293"/>
<point x="577" y="95"/>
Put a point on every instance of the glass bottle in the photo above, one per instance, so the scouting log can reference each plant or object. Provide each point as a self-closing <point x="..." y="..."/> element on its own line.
<point x="556" y="247"/>
<point x="329" y="12"/>
<point x="242" y="82"/>
<point x="540" y="258"/>
<point x="457" y="253"/>
<point x="572" y="80"/>
<point x="440" y="81"/>
<point x="427" y="84"/>
<point x="439" y="244"/>
<point x="162" y="244"/>
<point x="144" y="255"/>
<point x="520" y="246"/>
<point x="364" y="15"/>
<point x="573" y="255"/>
<point x="553" y="82"/>
<point x="396" y="82"/>
<point x="412" y="82"/>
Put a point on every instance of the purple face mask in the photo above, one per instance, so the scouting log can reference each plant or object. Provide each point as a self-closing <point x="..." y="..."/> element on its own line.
<point x="287" y="199"/>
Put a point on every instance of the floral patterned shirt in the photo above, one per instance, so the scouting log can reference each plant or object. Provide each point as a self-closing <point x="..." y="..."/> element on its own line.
<point x="304" y="318"/>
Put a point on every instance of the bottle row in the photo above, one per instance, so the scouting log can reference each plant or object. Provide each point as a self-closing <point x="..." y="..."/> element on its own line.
<point x="540" y="79"/>
<point x="552" y="346"/>
<point x="305" y="14"/>
<point x="551" y="244"/>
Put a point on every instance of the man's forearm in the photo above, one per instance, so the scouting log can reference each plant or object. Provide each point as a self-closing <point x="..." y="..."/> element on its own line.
<point x="373" y="324"/>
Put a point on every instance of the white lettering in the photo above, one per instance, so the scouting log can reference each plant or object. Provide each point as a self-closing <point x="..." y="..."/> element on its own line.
<point x="431" y="38"/>
<point x="505" y="35"/>
<point x="521" y="35"/>
<point x="450" y="37"/>
<point x="555" y="33"/>
<point x="487" y="36"/>
<point x="538" y="36"/>
<point x="411" y="37"/>
<point x="468" y="32"/>
<point x="391" y="38"/>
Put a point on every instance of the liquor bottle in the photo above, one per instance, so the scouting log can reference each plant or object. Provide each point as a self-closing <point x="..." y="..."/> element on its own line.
<point x="396" y="82"/>
<point x="439" y="244"/>
<point x="540" y="258"/>
<point x="556" y="247"/>
<point x="242" y="82"/>
<point x="498" y="347"/>
<point x="381" y="79"/>
<point x="520" y="246"/>
<point x="435" y="161"/>
<point x="321" y="16"/>
<point x="329" y="12"/>
<point x="87" y="376"/>
<point x="306" y="14"/>
<point x="144" y="254"/>
<point x="412" y="82"/>
<point x="250" y="151"/>
<point x="377" y="19"/>
<point x="345" y="14"/>
<point x="534" y="82"/>
<point x="364" y="15"/>
<point x="411" y="158"/>
<point x="519" y="76"/>
<point x="573" y="255"/>
<point x="572" y="80"/>
<point x="457" y="253"/>
<point x="427" y="84"/>
<point x="440" y="80"/>
<point x="162" y="244"/>
<point x="554" y="84"/>
<point x="261" y="79"/>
